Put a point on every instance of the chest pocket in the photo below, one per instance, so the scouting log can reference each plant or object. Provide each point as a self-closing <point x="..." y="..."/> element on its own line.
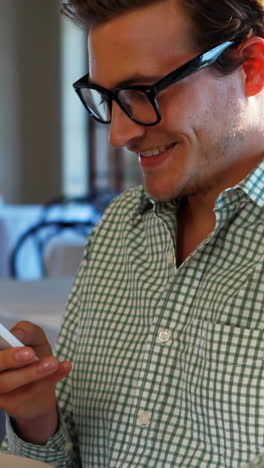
<point x="224" y="381"/>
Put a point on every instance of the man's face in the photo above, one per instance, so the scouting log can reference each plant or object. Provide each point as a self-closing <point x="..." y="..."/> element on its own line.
<point x="201" y="131"/>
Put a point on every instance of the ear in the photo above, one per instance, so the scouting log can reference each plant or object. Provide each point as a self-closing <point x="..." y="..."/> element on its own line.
<point x="253" y="52"/>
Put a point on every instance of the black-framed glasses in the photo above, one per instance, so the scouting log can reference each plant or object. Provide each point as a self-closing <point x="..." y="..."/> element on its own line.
<point x="140" y="103"/>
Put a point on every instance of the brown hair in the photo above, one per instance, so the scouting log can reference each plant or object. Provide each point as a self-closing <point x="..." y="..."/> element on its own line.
<point x="93" y="12"/>
<point x="223" y="21"/>
<point x="214" y="21"/>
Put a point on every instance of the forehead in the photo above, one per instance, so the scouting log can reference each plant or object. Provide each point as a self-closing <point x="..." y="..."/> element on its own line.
<point x="144" y="41"/>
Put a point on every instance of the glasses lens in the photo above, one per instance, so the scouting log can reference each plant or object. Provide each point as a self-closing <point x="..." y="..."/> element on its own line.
<point x="97" y="103"/>
<point x="137" y="105"/>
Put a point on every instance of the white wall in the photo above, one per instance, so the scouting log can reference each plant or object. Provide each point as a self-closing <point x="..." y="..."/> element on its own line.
<point x="30" y="100"/>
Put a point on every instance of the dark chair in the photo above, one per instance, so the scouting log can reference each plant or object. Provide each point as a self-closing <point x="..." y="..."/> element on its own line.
<point x="41" y="233"/>
<point x="90" y="207"/>
<point x="78" y="214"/>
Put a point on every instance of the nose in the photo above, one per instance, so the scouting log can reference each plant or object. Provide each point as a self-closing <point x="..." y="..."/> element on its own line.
<point x="123" y="130"/>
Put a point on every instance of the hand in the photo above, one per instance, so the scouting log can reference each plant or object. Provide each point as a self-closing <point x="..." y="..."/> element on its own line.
<point x="27" y="386"/>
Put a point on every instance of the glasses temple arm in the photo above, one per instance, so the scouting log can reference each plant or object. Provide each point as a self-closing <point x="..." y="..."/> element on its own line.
<point x="195" y="65"/>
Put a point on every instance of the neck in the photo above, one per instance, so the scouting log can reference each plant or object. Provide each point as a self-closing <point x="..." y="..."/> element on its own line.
<point x="196" y="219"/>
<point x="201" y="204"/>
<point x="194" y="225"/>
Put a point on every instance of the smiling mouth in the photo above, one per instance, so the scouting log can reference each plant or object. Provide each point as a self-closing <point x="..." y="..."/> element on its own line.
<point x="155" y="158"/>
<point x="153" y="153"/>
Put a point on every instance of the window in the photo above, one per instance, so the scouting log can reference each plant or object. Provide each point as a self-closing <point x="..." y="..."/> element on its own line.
<point x="74" y="118"/>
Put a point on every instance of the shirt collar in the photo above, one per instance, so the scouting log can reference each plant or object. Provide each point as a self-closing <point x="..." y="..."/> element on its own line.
<point x="252" y="186"/>
<point x="143" y="204"/>
<point x="249" y="189"/>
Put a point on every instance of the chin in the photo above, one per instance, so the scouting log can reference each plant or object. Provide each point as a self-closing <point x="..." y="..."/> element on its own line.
<point x="165" y="190"/>
<point x="162" y="195"/>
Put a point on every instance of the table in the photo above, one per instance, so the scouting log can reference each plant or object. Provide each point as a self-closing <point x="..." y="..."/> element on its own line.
<point x="12" y="461"/>
<point x="41" y="302"/>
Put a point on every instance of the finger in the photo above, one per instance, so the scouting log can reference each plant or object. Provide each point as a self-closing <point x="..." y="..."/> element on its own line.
<point x="29" y="401"/>
<point x="64" y="369"/>
<point x="25" y="401"/>
<point x="32" y="335"/>
<point x="13" y="379"/>
<point x="16" y="357"/>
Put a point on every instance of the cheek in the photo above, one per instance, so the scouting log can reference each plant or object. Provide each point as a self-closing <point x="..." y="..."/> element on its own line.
<point x="183" y="108"/>
<point x="200" y="112"/>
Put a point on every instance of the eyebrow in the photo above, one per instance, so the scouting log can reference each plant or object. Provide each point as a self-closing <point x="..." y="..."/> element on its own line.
<point x="134" y="80"/>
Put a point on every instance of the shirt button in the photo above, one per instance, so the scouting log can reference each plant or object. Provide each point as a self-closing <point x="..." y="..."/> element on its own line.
<point x="164" y="336"/>
<point x="144" y="418"/>
<point x="170" y="257"/>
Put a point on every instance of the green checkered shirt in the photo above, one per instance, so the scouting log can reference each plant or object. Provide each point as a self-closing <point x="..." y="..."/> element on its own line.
<point x="167" y="362"/>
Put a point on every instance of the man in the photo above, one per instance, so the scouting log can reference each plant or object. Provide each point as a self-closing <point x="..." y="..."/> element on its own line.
<point x="164" y="325"/>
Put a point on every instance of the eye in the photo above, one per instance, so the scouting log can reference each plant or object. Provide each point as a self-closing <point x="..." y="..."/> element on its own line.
<point x="133" y="96"/>
<point x="103" y="99"/>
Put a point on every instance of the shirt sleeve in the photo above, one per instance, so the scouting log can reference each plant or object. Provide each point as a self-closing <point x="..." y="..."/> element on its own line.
<point x="58" y="451"/>
<point x="61" y="450"/>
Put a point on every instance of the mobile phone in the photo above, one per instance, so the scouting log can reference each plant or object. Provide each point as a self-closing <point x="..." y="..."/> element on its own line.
<point x="7" y="340"/>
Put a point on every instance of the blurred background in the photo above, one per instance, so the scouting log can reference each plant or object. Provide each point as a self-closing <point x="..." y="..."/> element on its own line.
<point x="48" y="146"/>
<point x="57" y="173"/>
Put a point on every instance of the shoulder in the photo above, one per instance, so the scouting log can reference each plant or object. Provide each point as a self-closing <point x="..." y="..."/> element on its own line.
<point x="117" y="218"/>
<point x="123" y="207"/>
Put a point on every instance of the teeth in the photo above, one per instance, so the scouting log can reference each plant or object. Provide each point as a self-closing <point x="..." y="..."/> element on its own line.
<point x="155" y="152"/>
